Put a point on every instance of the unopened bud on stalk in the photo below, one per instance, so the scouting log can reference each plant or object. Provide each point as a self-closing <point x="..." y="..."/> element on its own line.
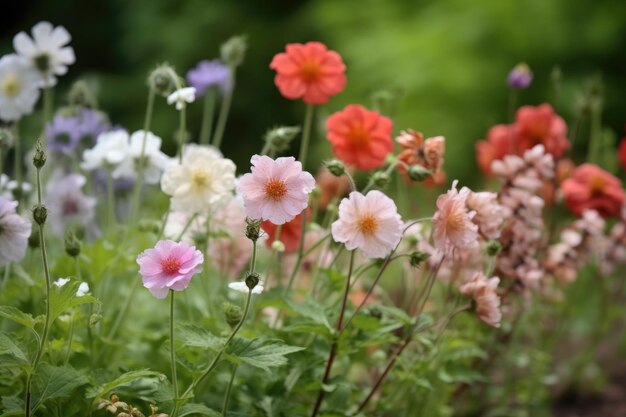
<point x="380" y="179"/>
<point x="520" y="77"/>
<point x="233" y="51"/>
<point x="94" y="319"/>
<point x="417" y="258"/>
<point x="232" y="313"/>
<point x="278" y="246"/>
<point x="279" y="138"/>
<point x="337" y="168"/>
<point x="72" y="244"/>
<point x="40" y="214"/>
<point x="419" y="173"/>
<point x="81" y="95"/>
<point x="39" y="158"/>
<point x="253" y="229"/>
<point x="162" y="81"/>
<point x="6" y="139"/>
<point x="252" y="280"/>
<point x="493" y="247"/>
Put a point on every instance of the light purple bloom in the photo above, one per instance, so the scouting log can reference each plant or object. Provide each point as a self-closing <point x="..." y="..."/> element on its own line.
<point x="63" y="135"/>
<point x="520" y="77"/>
<point x="14" y="232"/>
<point x="67" y="204"/>
<point x="210" y="74"/>
<point x="92" y="123"/>
<point x="169" y="266"/>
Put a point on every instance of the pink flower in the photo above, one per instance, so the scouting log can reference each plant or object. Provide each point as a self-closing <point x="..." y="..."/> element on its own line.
<point x="452" y="223"/>
<point x="370" y="223"/>
<point x="483" y="291"/>
<point x="14" y="233"/>
<point x="276" y="190"/>
<point x="169" y="266"/>
<point x="490" y="214"/>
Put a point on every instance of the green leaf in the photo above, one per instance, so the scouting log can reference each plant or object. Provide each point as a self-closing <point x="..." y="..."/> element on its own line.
<point x="19" y="316"/>
<point x="196" y="336"/>
<point x="8" y="347"/>
<point x="200" y="409"/>
<point x="64" y="298"/>
<point x="55" y="382"/>
<point x="12" y="406"/>
<point x="311" y="310"/>
<point x="260" y="353"/>
<point x="101" y="390"/>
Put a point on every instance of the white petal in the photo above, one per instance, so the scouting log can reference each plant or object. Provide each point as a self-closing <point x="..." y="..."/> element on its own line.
<point x="24" y="45"/>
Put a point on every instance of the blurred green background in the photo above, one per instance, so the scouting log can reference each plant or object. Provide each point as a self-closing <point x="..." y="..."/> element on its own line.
<point x="446" y="61"/>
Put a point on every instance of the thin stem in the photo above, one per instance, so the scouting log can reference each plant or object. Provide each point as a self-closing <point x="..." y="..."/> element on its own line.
<point x="306" y="133"/>
<point x="110" y="200"/>
<point x="229" y="390"/>
<point x="187" y="225"/>
<point x="388" y="172"/>
<point x="512" y="104"/>
<point x="296" y="267"/>
<point x="224" y="109"/>
<point x="172" y="350"/>
<point x="182" y="134"/>
<point x="17" y="160"/>
<point x="207" y="115"/>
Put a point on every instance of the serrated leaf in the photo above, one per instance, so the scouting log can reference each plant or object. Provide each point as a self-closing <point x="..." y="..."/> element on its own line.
<point x="196" y="336"/>
<point x="19" y="316"/>
<point x="64" y="298"/>
<point x="12" y="406"/>
<point x="200" y="409"/>
<point x="8" y="347"/>
<point x="260" y="353"/>
<point x="101" y="390"/>
<point x="311" y="310"/>
<point x="395" y="313"/>
<point x="55" y="382"/>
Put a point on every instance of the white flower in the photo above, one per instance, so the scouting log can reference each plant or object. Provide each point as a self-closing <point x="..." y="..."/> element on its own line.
<point x="109" y="152"/>
<point x="204" y="179"/>
<point x="242" y="287"/>
<point x="83" y="289"/>
<point x="182" y="96"/>
<point x="9" y="186"/>
<point x="61" y="282"/>
<point x="154" y="161"/>
<point x="46" y="51"/>
<point x="19" y="88"/>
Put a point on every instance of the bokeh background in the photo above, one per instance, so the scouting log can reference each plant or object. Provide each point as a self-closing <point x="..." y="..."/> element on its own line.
<point x="436" y="66"/>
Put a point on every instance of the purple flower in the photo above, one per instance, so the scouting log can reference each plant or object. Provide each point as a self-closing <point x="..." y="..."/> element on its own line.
<point x="520" y="77"/>
<point x="210" y="74"/>
<point x="92" y="124"/>
<point x="14" y="232"/>
<point x="63" y="135"/>
<point x="67" y="204"/>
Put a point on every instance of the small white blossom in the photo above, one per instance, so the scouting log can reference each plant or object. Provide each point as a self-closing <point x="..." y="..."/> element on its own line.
<point x="61" y="282"/>
<point x="109" y="152"/>
<point x="154" y="161"/>
<point x="242" y="287"/>
<point x="182" y="96"/>
<point x="83" y="289"/>
<point x="19" y="88"/>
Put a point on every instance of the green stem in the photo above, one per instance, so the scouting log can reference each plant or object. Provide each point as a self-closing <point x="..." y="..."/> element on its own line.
<point x="296" y="267"/>
<point x="17" y="160"/>
<point x="224" y="109"/>
<point x="182" y="134"/>
<point x="306" y="134"/>
<point x="187" y="225"/>
<point x="388" y="172"/>
<point x="228" y="391"/>
<point x="110" y="200"/>
<point x="172" y="350"/>
<point x="207" y="116"/>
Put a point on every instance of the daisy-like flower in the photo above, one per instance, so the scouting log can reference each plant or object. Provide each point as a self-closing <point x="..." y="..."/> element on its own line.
<point x="19" y="88"/>
<point x="154" y="161"/>
<point x="310" y="71"/>
<point x="203" y="180"/>
<point x="452" y="223"/>
<point x="182" y="97"/>
<point x="209" y="74"/>
<point x="241" y="286"/>
<point x="67" y="204"/>
<point x="276" y="190"/>
<point x="360" y="137"/>
<point x="169" y="266"/>
<point x="63" y="135"/>
<point x="483" y="291"/>
<point x="370" y="223"/>
<point x="14" y="233"/>
<point x="110" y="150"/>
<point x="46" y="51"/>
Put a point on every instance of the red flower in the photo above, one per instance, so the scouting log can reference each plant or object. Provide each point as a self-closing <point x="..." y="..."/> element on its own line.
<point x="427" y="153"/>
<point x="360" y="137"/>
<point x="592" y="188"/>
<point x="540" y="125"/>
<point x="309" y="71"/>
<point x="499" y="143"/>
<point x="289" y="233"/>
<point x="621" y="153"/>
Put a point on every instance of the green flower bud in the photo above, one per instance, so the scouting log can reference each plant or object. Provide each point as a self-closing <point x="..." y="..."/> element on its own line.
<point x="94" y="319"/>
<point x="337" y="168"/>
<point x="253" y="229"/>
<point x="162" y="81"/>
<point x="419" y="173"/>
<point x="252" y="279"/>
<point x="72" y="244"/>
<point x="279" y="138"/>
<point x="6" y="139"/>
<point x="493" y="247"/>
<point x="233" y="51"/>
<point x="40" y="214"/>
<point x="278" y="246"/>
<point x="39" y="158"/>
<point x="380" y="179"/>
<point x="232" y="313"/>
<point x="81" y="95"/>
<point x="417" y="258"/>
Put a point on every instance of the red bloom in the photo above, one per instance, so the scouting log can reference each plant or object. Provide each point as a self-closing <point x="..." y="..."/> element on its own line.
<point x="290" y="232"/>
<point x="499" y="143"/>
<point x="360" y="137"/>
<point x="592" y="188"/>
<point x="429" y="153"/>
<point x="309" y="71"/>
<point x="621" y="153"/>
<point x="540" y="125"/>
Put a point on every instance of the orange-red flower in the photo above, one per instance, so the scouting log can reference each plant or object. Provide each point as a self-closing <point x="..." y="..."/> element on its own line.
<point x="290" y="232"/>
<point x="499" y="143"/>
<point x="360" y="137"/>
<point x="540" y="125"/>
<point x="310" y="71"/>
<point x="427" y="153"/>
<point x="592" y="188"/>
<point x="330" y="187"/>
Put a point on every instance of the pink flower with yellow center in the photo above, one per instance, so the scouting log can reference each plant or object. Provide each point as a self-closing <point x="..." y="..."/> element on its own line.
<point x="169" y="266"/>
<point x="370" y="223"/>
<point x="275" y="190"/>
<point x="452" y="223"/>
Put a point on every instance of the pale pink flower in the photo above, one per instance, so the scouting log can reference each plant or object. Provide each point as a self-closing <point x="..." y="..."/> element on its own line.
<point x="14" y="233"/>
<point x="276" y="190"/>
<point x="452" y="223"/>
<point x="370" y="223"/>
<point x="483" y="291"/>
<point x="169" y="266"/>
<point x="489" y="213"/>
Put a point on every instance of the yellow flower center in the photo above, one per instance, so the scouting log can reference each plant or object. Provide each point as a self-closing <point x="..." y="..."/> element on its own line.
<point x="275" y="189"/>
<point x="597" y="185"/>
<point x="200" y="178"/>
<point x="368" y="225"/>
<point x="11" y="85"/>
<point x="310" y="72"/>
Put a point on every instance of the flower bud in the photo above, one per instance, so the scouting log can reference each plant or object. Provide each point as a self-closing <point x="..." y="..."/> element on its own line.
<point x="337" y="168"/>
<point x="520" y="77"/>
<point x="6" y="139"/>
<point x="252" y="279"/>
<point x="39" y="158"/>
<point x="40" y="214"/>
<point x="81" y="95"/>
<point x="279" y="138"/>
<point x="253" y="229"/>
<point x="493" y="247"/>
<point x="232" y="313"/>
<point x="417" y="258"/>
<point x="161" y="80"/>
<point x="94" y="319"/>
<point x="233" y="51"/>
<point x="72" y="244"/>
<point x="419" y="173"/>
<point x="278" y="246"/>
<point x="380" y="179"/>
